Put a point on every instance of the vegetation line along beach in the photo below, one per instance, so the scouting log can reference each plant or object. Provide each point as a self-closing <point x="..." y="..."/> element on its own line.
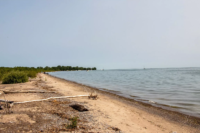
<point x="19" y="73"/>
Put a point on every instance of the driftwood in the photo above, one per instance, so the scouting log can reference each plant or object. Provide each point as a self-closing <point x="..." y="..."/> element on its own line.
<point x="51" y="98"/>
<point x="29" y="91"/>
<point x="7" y="110"/>
<point x="6" y="106"/>
<point x="6" y="101"/>
<point x="94" y="97"/>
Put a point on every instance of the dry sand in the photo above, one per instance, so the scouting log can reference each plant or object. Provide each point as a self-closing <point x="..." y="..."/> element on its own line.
<point x="109" y="113"/>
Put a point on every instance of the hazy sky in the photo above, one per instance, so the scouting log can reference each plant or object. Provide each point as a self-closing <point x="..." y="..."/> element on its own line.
<point x="102" y="33"/>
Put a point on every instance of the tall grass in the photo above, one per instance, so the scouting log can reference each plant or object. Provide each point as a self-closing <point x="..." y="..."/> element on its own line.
<point x="15" y="77"/>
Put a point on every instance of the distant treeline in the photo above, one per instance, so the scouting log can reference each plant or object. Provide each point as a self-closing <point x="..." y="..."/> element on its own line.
<point x="65" y="68"/>
<point x="32" y="71"/>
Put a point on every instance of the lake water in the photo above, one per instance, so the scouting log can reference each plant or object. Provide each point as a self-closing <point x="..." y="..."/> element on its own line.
<point x="178" y="88"/>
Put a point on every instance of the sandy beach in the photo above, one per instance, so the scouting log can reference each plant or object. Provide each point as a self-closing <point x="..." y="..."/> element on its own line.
<point x="108" y="113"/>
<point x="103" y="66"/>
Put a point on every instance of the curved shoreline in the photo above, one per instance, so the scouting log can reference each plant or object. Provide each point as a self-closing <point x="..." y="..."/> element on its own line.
<point x="165" y="113"/>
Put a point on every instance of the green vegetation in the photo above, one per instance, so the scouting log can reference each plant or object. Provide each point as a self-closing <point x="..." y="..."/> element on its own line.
<point x="15" y="77"/>
<point x="32" y="74"/>
<point x="32" y="71"/>
<point x="73" y="123"/>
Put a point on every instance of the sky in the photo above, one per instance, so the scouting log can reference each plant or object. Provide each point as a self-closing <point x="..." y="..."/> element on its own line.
<point x="109" y="34"/>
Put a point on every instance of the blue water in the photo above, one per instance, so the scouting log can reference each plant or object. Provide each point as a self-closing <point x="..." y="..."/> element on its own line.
<point x="178" y="88"/>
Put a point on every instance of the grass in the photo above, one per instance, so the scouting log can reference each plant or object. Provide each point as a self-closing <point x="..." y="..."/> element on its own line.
<point x="73" y="124"/>
<point x="14" y="77"/>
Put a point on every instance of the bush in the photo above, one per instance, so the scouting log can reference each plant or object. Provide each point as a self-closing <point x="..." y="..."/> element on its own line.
<point x="15" y="77"/>
<point x="2" y="72"/>
<point x="1" y="75"/>
<point x="32" y="74"/>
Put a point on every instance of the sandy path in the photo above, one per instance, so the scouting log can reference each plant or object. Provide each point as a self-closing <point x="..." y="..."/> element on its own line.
<point x="118" y="114"/>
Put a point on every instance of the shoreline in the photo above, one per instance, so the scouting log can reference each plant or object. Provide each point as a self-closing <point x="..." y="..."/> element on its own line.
<point x="107" y="113"/>
<point x="169" y="92"/>
<point x="166" y="113"/>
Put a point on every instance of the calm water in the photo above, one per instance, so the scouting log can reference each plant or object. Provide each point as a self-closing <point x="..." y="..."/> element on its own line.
<point x="177" y="87"/>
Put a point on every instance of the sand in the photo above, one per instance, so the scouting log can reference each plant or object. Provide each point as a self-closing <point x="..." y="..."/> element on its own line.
<point x="109" y="113"/>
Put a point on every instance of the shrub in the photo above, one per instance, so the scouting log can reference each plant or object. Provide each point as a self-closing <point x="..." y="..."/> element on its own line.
<point x="15" y="77"/>
<point x="1" y="75"/>
<point x="32" y="74"/>
<point x="2" y="72"/>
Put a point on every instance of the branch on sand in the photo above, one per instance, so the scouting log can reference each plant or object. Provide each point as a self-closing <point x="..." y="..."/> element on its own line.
<point x="29" y="91"/>
<point x="6" y="101"/>
<point x="51" y="98"/>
